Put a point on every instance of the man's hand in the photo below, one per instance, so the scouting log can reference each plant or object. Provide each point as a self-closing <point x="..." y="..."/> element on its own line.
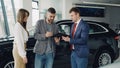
<point x="49" y="34"/>
<point x="67" y="39"/>
<point x="57" y="40"/>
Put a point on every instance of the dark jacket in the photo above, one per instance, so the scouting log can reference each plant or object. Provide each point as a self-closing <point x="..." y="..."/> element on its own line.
<point x="80" y="39"/>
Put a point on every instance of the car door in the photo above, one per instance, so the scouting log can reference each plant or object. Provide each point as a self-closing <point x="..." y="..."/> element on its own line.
<point x="96" y="35"/>
<point x="6" y="45"/>
<point x="96" y="40"/>
<point x="62" y="56"/>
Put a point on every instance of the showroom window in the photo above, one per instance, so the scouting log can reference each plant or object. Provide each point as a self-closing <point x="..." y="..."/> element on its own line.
<point x="10" y="15"/>
<point x="2" y="23"/>
<point x="35" y="12"/>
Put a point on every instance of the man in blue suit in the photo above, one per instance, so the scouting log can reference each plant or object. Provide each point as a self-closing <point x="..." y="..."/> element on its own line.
<point x="78" y="39"/>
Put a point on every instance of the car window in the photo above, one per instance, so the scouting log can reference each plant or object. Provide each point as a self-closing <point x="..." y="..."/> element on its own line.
<point x="95" y="28"/>
<point x="64" y="29"/>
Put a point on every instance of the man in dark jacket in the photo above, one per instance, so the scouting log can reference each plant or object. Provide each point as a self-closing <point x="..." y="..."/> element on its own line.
<point x="78" y="40"/>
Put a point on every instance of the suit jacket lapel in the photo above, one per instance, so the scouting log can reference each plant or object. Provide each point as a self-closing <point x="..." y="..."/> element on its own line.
<point x="78" y="29"/>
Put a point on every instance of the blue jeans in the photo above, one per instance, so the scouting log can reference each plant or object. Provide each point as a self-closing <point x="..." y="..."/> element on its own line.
<point x="44" y="61"/>
<point x="77" y="62"/>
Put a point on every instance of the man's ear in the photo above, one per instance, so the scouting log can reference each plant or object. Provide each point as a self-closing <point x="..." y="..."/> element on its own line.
<point x="46" y="15"/>
<point x="77" y="14"/>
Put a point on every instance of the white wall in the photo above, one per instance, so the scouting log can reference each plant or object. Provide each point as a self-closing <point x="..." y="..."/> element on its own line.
<point x="66" y="6"/>
<point x="27" y="4"/>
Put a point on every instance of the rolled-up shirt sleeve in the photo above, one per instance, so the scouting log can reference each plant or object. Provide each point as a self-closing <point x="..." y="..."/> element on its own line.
<point x="19" y="40"/>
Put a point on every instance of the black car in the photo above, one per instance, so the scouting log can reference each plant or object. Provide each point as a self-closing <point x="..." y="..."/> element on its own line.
<point x="103" y="44"/>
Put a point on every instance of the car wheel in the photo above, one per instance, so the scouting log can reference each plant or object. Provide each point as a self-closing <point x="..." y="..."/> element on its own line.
<point x="103" y="58"/>
<point x="9" y="65"/>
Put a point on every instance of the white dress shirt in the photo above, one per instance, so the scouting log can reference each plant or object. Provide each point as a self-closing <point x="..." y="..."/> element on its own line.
<point x="77" y="24"/>
<point x="20" y="38"/>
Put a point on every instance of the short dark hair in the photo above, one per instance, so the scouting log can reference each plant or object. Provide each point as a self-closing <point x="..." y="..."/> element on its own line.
<point x="51" y="10"/>
<point x="74" y="9"/>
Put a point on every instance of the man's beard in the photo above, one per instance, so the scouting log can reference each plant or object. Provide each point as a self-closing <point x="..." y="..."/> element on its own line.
<point x="50" y="21"/>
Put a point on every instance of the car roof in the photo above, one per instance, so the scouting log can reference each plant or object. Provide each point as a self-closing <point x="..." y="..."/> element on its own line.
<point x="70" y="21"/>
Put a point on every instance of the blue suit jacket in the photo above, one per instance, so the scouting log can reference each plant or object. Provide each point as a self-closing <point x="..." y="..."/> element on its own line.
<point x="80" y="39"/>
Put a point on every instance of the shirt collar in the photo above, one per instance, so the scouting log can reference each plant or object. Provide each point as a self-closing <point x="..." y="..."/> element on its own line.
<point x="78" y="21"/>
